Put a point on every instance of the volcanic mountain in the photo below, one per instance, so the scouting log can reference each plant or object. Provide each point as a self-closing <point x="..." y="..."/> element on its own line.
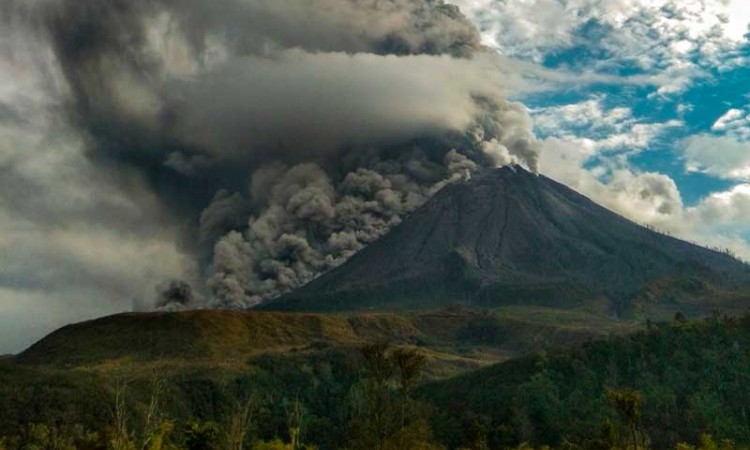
<point x="510" y="237"/>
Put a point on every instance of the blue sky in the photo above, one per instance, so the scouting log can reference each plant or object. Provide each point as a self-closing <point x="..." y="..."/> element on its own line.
<point x="697" y="108"/>
<point x="643" y="105"/>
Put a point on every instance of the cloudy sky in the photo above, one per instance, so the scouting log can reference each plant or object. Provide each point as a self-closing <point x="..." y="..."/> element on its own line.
<point x="642" y="104"/>
<point x="241" y="147"/>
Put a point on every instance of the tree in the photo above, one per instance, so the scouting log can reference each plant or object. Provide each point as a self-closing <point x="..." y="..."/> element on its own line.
<point x="384" y="415"/>
<point x="294" y="416"/>
<point x="628" y="403"/>
<point x="201" y="436"/>
<point x="409" y="364"/>
<point x="120" y="437"/>
<point x="379" y="366"/>
<point x="240" y="420"/>
<point x="155" y="428"/>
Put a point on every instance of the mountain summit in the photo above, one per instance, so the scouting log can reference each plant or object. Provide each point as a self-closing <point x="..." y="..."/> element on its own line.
<point x="508" y="236"/>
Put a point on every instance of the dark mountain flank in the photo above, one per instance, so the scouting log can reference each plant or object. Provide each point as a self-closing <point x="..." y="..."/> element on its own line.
<point x="508" y="237"/>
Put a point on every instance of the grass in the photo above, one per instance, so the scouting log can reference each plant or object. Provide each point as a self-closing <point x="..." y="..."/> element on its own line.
<point x="455" y="339"/>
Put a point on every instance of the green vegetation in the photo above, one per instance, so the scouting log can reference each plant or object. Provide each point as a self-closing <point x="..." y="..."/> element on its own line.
<point x="336" y="399"/>
<point x="683" y="385"/>
<point x="663" y="385"/>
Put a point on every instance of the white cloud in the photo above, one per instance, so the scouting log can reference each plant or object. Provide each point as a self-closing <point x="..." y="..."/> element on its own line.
<point x="523" y="77"/>
<point x="719" y="156"/>
<point x="735" y="123"/>
<point x="662" y="37"/>
<point x="728" y="119"/>
<point x="645" y="197"/>
<point x="592" y="125"/>
<point x="729" y="208"/>
<point x="590" y="113"/>
<point x="719" y="220"/>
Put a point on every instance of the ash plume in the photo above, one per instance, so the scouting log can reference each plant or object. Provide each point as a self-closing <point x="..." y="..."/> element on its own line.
<point x="284" y="135"/>
<point x="175" y="295"/>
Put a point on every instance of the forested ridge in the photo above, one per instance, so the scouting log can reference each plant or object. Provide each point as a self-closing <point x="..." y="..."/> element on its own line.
<point x="687" y="378"/>
<point x="670" y="385"/>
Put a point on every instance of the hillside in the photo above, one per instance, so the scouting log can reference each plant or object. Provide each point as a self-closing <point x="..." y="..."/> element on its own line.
<point x="208" y="334"/>
<point x="205" y="362"/>
<point x="693" y="378"/>
<point x="454" y="336"/>
<point x="511" y="237"/>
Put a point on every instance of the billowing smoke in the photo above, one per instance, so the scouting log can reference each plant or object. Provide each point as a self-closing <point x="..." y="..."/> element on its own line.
<point x="175" y="295"/>
<point x="307" y="225"/>
<point x="284" y="134"/>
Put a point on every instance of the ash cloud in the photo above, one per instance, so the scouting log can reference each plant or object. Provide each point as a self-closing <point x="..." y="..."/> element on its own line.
<point x="308" y="225"/>
<point x="176" y="295"/>
<point x="278" y="137"/>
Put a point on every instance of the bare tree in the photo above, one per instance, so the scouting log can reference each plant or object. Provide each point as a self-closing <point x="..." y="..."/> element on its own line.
<point x="628" y="403"/>
<point x="294" y="416"/>
<point x="240" y="421"/>
<point x="409" y="364"/>
<point x="121" y="438"/>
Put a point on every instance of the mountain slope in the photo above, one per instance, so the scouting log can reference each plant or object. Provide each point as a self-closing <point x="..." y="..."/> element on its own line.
<point x="210" y="334"/>
<point x="508" y="236"/>
<point x="212" y="338"/>
<point x="693" y="376"/>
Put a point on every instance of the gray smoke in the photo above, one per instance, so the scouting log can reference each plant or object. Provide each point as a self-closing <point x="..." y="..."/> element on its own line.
<point x="285" y="134"/>
<point x="175" y="295"/>
<point x="226" y="212"/>
<point x="306" y="225"/>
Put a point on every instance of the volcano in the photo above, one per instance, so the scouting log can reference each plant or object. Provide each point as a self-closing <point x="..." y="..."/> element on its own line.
<point x="510" y="237"/>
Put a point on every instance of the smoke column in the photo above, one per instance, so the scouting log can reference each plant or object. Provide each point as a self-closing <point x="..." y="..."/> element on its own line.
<point x="282" y="136"/>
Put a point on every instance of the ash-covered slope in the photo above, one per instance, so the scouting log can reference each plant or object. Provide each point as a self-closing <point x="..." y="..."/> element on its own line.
<point x="508" y="236"/>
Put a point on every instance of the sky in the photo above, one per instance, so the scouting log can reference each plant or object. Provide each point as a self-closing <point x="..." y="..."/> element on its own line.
<point x="171" y="154"/>
<point x="643" y="105"/>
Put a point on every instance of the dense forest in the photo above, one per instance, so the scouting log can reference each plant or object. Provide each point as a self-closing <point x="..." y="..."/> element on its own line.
<point x="671" y="385"/>
<point x="666" y="384"/>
